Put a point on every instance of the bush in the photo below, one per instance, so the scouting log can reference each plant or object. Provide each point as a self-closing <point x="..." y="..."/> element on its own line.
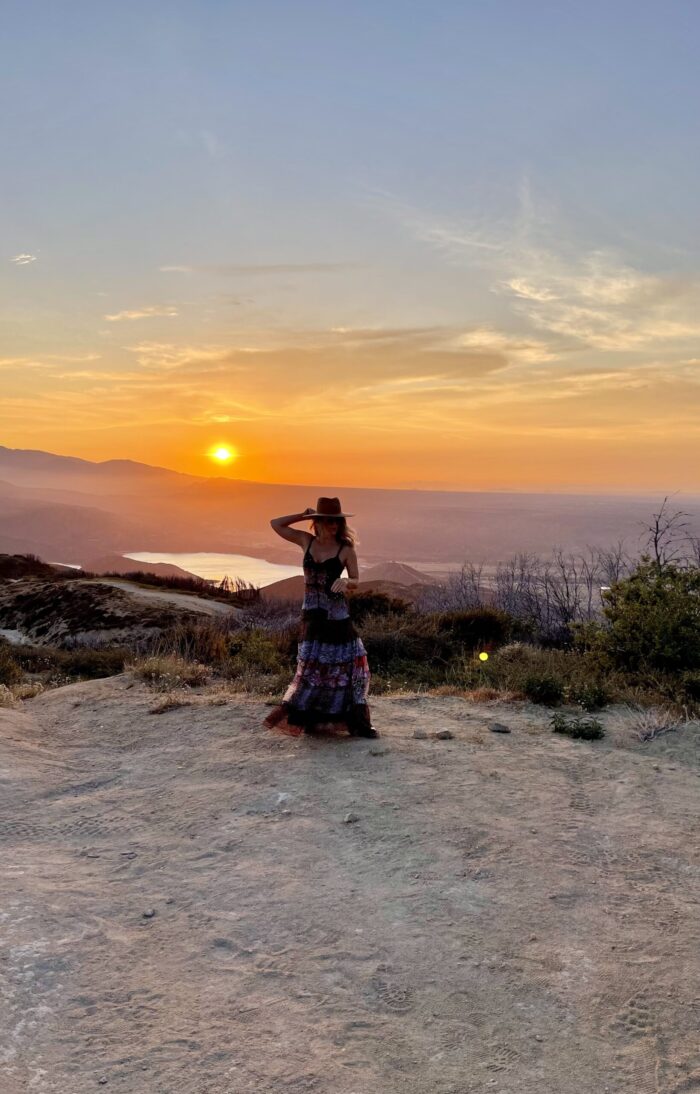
<point x="653" y="622"/>
<point x="543" y="688"/>
<point x="91" y="664"/>
<point x="591" y="695"/>
<point x="410" y="638"/>
<point x="690" y="686"/>
<point x="361" y="605"/>
<point x="10" y="671"/>
<point x="477" y="627"/>
<point x="582" y="729"/>
<point x="168" y="671"/>
<point x="196" y="641"/>
<point x="253" y="650"/>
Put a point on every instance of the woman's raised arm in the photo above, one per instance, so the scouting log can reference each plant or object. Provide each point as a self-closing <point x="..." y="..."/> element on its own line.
<point x="294" y="535"/>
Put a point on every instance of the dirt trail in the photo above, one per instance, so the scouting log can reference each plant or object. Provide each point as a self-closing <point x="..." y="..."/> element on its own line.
<point x="186" y="909"/>
<point x="190" y="601"/>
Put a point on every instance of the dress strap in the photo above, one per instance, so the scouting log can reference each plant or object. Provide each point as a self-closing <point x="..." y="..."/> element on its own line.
<point x="339" y="549"/>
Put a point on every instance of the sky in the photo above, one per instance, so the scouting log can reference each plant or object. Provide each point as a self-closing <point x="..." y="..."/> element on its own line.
<point x="399" y="244"/>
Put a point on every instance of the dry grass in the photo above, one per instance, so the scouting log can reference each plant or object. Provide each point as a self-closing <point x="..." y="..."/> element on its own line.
<point x="170" y="701"/>
<point x="650" y="723"/>
<point x="165" y="672"/>
<point x="27" y="691"/>
<point x="7" y="699"/>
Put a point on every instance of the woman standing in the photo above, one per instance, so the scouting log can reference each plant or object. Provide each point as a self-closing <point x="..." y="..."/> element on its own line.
<point x="331" y="682"/>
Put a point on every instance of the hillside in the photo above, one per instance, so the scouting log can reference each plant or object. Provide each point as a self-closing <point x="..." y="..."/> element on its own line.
<point x="131" y="506"/>
<point x="188" y="906"/>
<point x="51" y="613"/>
<point x="120" y="564"/>
<point x="397" y="572"/>
<point x="292" y="588"/>
<point x="13" y="567"/>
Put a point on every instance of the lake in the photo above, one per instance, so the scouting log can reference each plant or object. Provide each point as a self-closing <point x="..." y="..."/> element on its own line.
<point x="215" y="566"/>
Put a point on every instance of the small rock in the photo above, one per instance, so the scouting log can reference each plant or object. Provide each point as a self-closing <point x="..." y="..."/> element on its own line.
<point x="538" y="1037"/>
<point x="102" y="1081"/>
<point x="533" y="938"/>
<point x="444" y="735"/>
<point x="170" y="900"/>
<point x="286" y="812"/>
<point x="149" y="913"/>
<point x="419" y="734"/>
<point x="377" y="750"/>
<point x="498" y="727"/>
<point x="350" y="818"/>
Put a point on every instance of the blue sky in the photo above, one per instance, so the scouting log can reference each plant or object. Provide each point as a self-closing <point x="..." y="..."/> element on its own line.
<point x="292" y="179"/>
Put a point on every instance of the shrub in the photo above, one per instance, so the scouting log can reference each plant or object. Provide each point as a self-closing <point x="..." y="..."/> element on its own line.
<point x="690" y="686"/>
<point x="254" y="650"/>
<point x="543" y="688"/>
<point x="91" y="664"/>
<point x="583" y="729"/>
<point x="10" y="671"/>
<point x="169" y="671"/>
<point x="653" y="621"/>
<point x="410" y="638"/>
<point x="591" y="695"/>
<point x="196" y="641"/>
<point x="361" y="605"/>
<point x="477" y="627"/>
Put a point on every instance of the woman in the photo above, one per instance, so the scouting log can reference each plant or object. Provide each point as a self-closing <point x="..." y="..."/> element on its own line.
<point x="332" y="677"/>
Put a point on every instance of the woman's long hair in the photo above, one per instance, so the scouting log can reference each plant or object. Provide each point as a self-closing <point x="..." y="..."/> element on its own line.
<point x="344" y="533"/>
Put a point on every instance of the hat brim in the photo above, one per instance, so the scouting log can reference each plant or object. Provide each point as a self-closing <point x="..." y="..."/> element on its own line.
<point x="328" y="516"/>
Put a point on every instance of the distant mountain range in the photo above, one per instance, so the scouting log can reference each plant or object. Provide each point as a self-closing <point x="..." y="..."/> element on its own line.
<point x="75" y="511"/>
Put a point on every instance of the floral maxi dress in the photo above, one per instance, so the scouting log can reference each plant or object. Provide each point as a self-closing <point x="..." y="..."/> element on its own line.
<point x="332" y="677"/>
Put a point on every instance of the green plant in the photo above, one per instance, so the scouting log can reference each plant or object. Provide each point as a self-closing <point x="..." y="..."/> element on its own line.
<point x="690" y="686"/>
<point x="589" y="694"/>
<point x="582" y="729"/>
<point x="10" y="671"/>
<point x="476" y="627"/>
<point x="652" y="621"/>
<point x="543" y="688"/>
<point x="253" y="650"/>
<point x="360" y="605"/>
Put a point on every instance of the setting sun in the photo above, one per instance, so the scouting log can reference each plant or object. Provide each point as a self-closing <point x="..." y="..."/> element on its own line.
<point x="222" y="453"/>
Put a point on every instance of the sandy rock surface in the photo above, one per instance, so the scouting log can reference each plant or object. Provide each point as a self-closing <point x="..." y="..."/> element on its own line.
<point x="187" y="909"/>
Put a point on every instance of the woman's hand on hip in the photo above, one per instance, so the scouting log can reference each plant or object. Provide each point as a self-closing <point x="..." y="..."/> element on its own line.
<point x="343" y="585"/>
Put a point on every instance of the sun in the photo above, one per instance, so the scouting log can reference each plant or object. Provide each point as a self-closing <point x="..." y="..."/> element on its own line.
<point x="222" y="453"/>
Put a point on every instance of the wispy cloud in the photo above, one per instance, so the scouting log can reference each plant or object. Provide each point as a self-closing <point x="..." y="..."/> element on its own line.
<point x="586" y="297"/>
<point x="150" y="312"/>
<point x="23" y="260"/>
<point x="235" y="269"/>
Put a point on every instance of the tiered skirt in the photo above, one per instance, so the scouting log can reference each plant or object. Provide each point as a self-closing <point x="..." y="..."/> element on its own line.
<point x="331" y="682"/>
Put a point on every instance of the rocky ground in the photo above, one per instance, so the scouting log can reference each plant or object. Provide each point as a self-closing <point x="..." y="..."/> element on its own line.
<point x="194" y="904"/>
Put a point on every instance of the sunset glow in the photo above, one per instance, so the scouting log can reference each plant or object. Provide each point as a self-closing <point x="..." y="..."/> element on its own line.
<point x="222" y="454"/>
<point x="484" y="278"/>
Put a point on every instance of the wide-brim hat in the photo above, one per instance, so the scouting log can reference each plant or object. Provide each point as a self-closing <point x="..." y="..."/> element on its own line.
<point x="328" y="507"/>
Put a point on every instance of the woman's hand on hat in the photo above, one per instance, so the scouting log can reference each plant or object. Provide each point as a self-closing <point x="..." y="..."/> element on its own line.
<point x="308" y="511"/>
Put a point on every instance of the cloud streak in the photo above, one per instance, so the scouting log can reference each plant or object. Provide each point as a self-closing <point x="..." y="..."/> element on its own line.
<point x="263" y="269"/>
<point x="582" y="297"/>
<point x="151" y="312"/>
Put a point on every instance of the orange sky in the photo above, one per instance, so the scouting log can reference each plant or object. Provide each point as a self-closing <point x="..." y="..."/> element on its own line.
<point x="402" y="409"/>
<point x="475" y="267"/>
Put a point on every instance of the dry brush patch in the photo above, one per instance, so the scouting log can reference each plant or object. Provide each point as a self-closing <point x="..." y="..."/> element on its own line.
<point x="164" y="672"/>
